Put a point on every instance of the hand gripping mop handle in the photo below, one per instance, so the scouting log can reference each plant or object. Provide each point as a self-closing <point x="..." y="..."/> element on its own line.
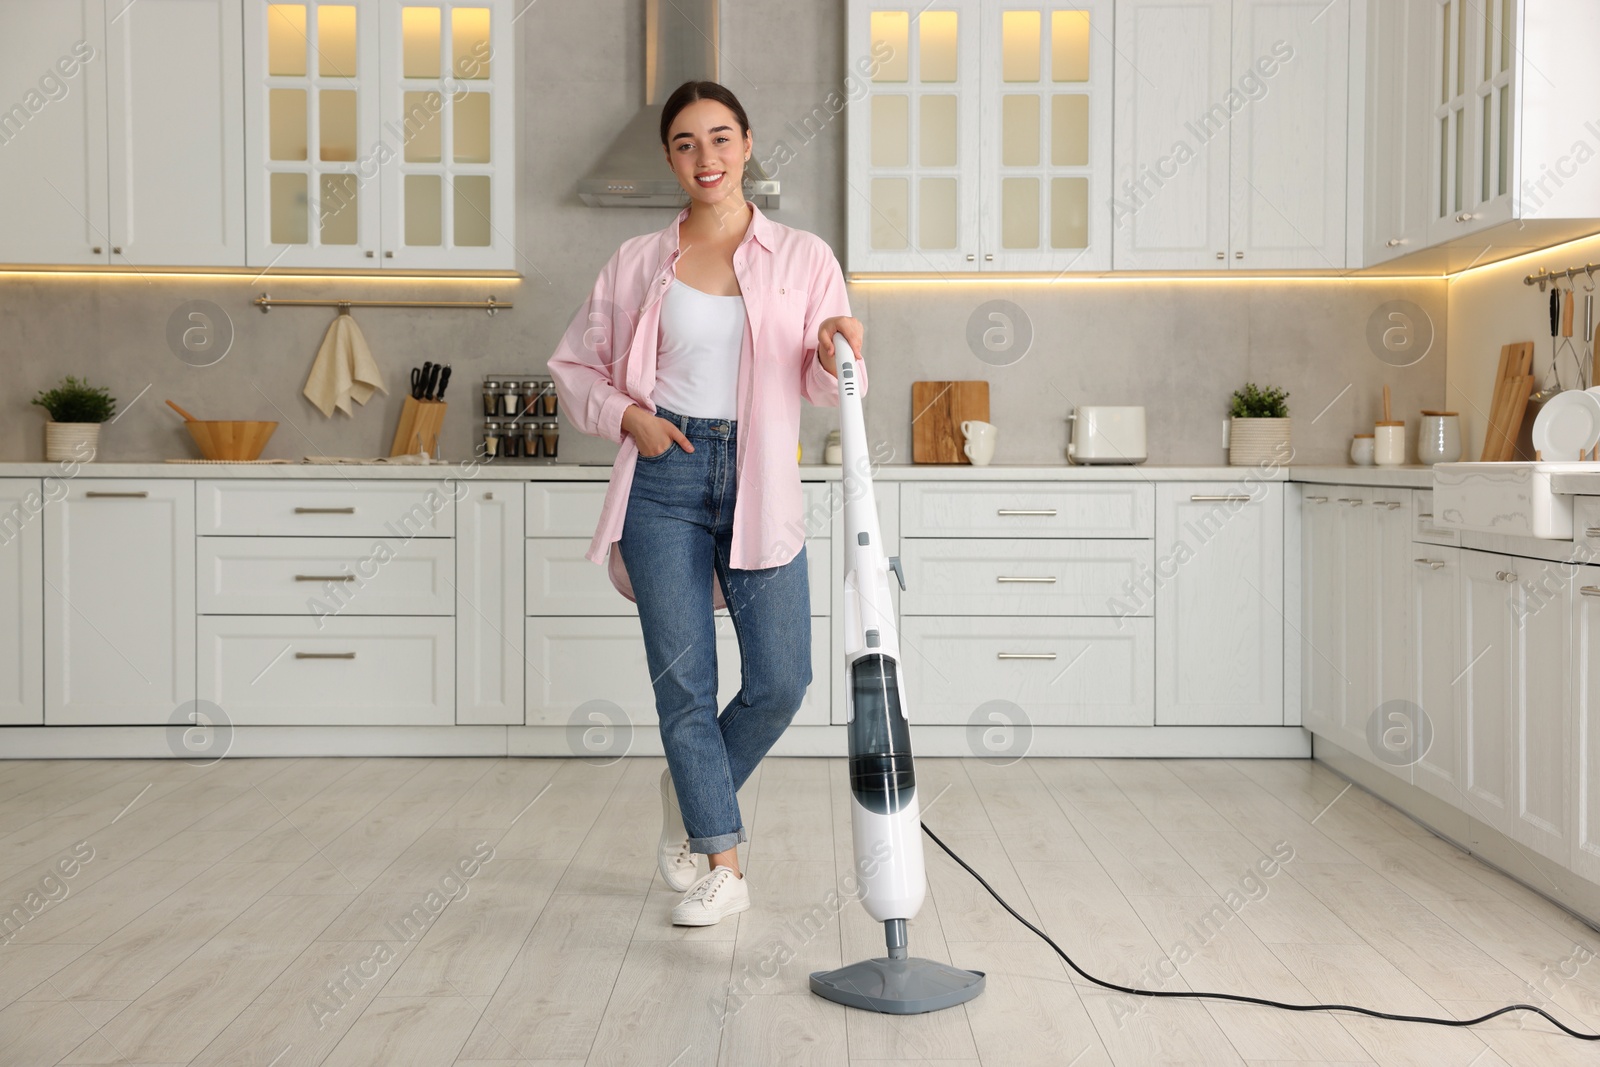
<point x="885" y="820"/>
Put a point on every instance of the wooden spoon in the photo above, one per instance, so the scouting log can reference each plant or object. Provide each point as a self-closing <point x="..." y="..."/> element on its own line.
<point x="182" y="412"/>
<point x="1386" y="416"/>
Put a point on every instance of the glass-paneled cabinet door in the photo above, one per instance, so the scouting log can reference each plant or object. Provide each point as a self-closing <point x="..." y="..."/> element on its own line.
<point x="913" y="183"/>
<point x="311" y="133"/>
<point x="1494" y="106"/>
<point x="1453" y="152"/>
<point x="448" y="188"/>
<point x="1046" y="135"/>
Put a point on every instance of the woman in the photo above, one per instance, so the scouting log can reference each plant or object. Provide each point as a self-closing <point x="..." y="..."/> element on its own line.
<point x="693" y="353"/>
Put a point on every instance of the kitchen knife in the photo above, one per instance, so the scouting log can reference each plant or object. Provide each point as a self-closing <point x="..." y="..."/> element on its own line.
<point x="444" y="380"/>
<point x="433" y="380"/>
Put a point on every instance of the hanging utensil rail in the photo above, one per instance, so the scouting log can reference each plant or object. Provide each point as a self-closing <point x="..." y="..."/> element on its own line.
<point x="1545" y="277"/>
<point x="267" y="303"/>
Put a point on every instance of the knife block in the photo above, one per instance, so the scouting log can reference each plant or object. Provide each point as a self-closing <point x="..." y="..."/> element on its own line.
<point x="418" y="430"/>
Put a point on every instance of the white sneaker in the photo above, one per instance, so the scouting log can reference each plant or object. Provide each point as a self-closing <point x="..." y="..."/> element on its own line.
<point x="676" y="862"/>
<point x="714" y="897"/>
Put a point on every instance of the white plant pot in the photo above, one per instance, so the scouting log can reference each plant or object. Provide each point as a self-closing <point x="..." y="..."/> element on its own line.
<point x="1252" y="442"/>
<point x="71" y="441"/>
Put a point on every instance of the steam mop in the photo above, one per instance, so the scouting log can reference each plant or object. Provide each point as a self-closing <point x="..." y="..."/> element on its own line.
<point x="885" y="817"/>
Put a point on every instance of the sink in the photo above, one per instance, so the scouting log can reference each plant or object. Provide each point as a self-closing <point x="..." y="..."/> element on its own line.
<point x="1504" y="498"/>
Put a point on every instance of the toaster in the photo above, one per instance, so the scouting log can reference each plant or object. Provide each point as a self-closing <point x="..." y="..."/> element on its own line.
<point x="1107" y="435"/>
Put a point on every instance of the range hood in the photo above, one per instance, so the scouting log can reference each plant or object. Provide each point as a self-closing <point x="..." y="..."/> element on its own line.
<point x="681" y="42"/>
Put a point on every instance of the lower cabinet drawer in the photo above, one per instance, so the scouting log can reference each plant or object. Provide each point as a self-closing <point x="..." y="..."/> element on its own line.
<point x="347" y="671"/>
<point x="1058" y="671"/>
<point x="323" y="576"/>
<point x="583" y="667"/>
<point x="562" y="581"/>
<point x="305" y="507"/>
<point x="1022" y="576"/>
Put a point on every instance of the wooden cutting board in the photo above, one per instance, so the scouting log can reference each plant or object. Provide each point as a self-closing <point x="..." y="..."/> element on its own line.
<point x="937" y="411"/>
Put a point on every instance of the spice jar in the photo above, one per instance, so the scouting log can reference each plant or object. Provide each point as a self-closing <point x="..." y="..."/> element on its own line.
<point x="491" y="396"/>
<point x="530" y="439"/>
<point x="550" y="399"/>
<point x="491" y="438"/>
<point x="551" y="432"/>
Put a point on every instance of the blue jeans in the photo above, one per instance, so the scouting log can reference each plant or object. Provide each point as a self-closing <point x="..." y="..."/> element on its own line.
<point x="678" y="532"/>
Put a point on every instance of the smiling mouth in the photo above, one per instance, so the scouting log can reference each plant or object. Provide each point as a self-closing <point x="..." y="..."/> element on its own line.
<point x="708" y="180"/>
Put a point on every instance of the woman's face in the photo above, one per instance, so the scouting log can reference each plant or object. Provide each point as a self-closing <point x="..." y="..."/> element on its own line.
<point x="707" y="152"/>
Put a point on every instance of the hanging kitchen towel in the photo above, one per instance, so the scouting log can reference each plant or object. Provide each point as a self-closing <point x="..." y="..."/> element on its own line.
<point x="344" y="369"/>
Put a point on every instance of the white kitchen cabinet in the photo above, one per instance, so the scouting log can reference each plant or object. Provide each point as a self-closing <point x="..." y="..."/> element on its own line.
<point x="1024" y="576"/>
<point x="1389" y="572"/>
<point x="1288" y="140"/>
<point x="1586" y="717"/>
<point x="380" y="134"/>
<point x="1072" y="671"/>
<point x="1516" y="632"/>
<point x="1399" y="104"/>
<point x="984" y="140"/>
<point x="1219" y="604"/>
<point x="1505" y="143"/>
<point x="1230" y="134"/>
<point x="1358" y="599"/>
<point x="1170" y="173"/>
<point x="345" y="671"/>
<point x="1322" y="610"/>
<point x="130" y="153"/>
<point x="53" y="133"/>
<point x="1542" y="738"/>
<point x="1486" y="688"/>
<point x="1436" y="668"/>
<point x="325" y="576"/>
<point x="489" y="606"/>
<point x="175" y="94"/>
<point x="119" y="602"/>
<point x="22" y="503"/>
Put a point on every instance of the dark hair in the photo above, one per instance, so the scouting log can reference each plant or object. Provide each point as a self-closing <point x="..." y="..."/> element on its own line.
<point x="688" y="93"/>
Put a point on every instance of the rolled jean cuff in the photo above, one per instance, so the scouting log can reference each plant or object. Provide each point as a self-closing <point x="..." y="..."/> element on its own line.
<point x="721" y="843"/>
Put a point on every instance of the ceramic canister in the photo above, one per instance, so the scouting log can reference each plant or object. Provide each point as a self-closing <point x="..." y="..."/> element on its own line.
<point x="1439" y="438"/>
<point x="1389" y="443"/>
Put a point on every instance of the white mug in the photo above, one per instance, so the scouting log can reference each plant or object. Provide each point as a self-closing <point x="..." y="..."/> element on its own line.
<point x="979" y="444"/>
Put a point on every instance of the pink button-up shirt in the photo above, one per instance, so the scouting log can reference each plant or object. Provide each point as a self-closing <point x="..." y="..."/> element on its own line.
<point x="791" y="282"/>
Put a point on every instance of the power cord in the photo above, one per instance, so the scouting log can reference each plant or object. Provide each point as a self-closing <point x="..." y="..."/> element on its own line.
<point x="1190" y="995"/>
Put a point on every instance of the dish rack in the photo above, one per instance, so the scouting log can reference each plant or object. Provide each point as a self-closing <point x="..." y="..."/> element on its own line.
<point x="519" y="419"/>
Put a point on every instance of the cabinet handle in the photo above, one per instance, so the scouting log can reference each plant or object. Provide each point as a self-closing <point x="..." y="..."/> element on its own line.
<point x="1010" y="578"/>
<point x="1424" y="514"/>
<point x="488" y="496"/>
<point x="1199" y="499"/>
<point x="988" y="257"/>
<point x="388" y="254"/>
<point x="324" y="577"/>
<point x="1352" y="501"/>
<point x="1222" y="255"/>
<point x="1025" y="655"/>
<point x="1465" y="216"/>
<point x="1390" y="504"/>
<point x="1434" y="563"/>
<point x="96" y="249"/>
<point x="1590" y="590"/>
<point x="140" y="495"/>
<point x="116" y="250"/>
<point x="1238" y="255"/>
<point x="324" y="511"/>
<point x="1316" y="500"/>
<point x="1506" y="576"/>
<point x="1593" y="531"/>
<point x="1396" y="242"/>
<point x="324" y="655"/>
<point x="369" y="255"/>
<point x="971" y="257"/>
<point x="1025" y="511"/>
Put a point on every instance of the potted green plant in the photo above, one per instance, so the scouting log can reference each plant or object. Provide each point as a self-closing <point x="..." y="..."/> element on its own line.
<point x="1259" y="428"/>
<point x="76" y="411"/>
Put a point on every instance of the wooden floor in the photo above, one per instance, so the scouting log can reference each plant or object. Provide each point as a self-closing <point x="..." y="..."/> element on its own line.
<point x="315" y="911"/>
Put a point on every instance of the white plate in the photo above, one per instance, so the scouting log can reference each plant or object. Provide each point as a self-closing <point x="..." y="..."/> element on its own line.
<point x="1568" y="425"/>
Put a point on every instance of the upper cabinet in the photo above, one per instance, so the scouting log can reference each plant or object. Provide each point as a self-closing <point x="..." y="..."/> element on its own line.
<point x="380" y="133"/>
<point x="984" y="141"/>
<point x="1230" y="134"/>
<point x="123" y="148"/>
<point x="1503" y="154"/>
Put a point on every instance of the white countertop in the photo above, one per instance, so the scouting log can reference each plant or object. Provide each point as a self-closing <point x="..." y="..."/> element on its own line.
<point x="1413" y="476"/>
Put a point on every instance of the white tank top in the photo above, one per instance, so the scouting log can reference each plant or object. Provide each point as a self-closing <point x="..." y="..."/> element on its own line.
<point x="697" y="357"/>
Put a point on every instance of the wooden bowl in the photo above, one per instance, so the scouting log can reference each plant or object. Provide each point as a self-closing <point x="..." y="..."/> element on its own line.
<point x="229" y="439"/>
